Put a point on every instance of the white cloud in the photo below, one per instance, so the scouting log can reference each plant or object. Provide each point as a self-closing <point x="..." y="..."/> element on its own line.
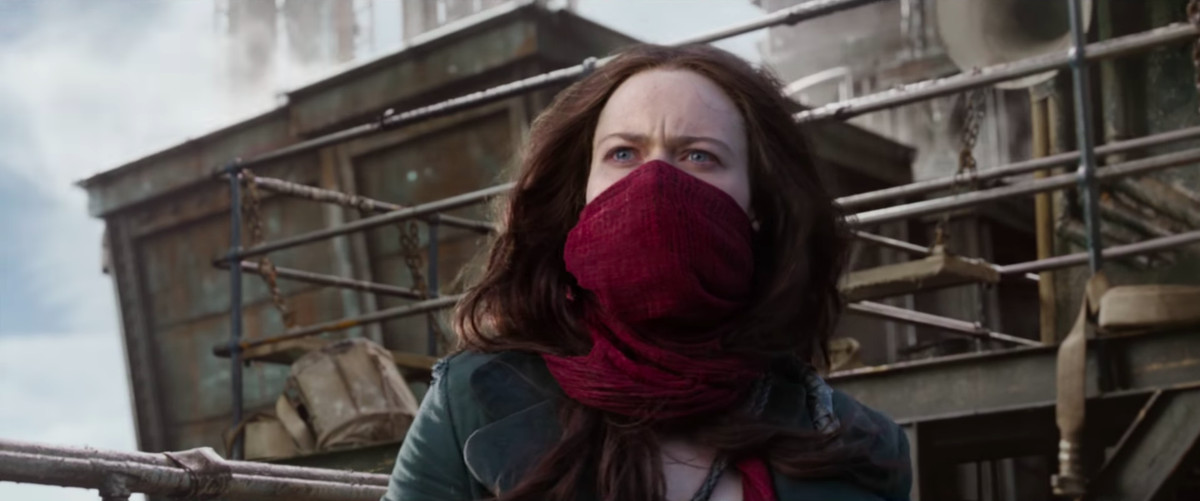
<point x="65" y="389"/>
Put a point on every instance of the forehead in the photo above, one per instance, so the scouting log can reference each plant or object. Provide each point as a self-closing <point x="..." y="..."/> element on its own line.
<point x="680" y="101"/>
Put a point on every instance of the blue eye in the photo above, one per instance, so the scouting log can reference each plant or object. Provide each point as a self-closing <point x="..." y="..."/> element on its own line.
<point x="701" y="157"/>
<point x="622" y="154"/>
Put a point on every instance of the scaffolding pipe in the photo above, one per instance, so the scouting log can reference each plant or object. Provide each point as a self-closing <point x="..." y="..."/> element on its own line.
<point x="235" y="298"/>
<point x="949" y="203"/>
<point x="367" y="223"/>
<point x="913" y="317"/>
<point x="1069" y="260"/>
<point x="805" y="11"/>
<point x="1024" y="167"/>
<point x="1083" y="131"/>
<point x="176" y="482"/>
<point x="252" y="468"/>
<point x="893" y="243"/>
<point x="362" y="203"/>
<point x="331" y="280"/>
<point x="348" y="323"/>
<point x="928" y="89"/>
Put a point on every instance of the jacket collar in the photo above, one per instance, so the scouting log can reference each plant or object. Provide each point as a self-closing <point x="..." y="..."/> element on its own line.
<point x="518" y="396"/>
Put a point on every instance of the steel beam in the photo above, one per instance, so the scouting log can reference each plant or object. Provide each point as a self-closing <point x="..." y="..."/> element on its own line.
<point x="1157" y="443"/>
<point x="1019" y="378"/>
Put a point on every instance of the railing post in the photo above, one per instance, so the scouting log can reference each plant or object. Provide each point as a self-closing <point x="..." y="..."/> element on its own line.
<point x="235" y="299"/>
<point x="432" y="278"/>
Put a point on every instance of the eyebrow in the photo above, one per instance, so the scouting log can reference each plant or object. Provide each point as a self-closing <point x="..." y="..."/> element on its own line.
<point x="673" y="140"/>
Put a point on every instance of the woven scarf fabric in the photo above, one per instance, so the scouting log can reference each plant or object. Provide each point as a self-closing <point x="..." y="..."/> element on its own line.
<point x="668" y="260"/>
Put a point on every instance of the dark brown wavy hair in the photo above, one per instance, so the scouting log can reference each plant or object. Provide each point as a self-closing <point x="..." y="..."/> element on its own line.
<point x="520" y="302"/>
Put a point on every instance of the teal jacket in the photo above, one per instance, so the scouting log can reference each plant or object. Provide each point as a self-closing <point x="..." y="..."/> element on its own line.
<point x="488" y="417"/>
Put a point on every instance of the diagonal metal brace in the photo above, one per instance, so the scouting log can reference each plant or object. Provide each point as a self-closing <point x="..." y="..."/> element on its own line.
<point x="1165" y="431"/>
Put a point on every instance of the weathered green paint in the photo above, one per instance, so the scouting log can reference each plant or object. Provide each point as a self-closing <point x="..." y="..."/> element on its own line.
<point x="440" y="65"/>
<point x="184" y="166"/>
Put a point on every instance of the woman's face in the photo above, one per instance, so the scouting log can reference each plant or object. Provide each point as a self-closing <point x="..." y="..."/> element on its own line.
<point x="678" y="117"/>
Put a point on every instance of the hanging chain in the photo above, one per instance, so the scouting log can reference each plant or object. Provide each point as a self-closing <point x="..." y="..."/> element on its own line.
<point x="1193" y="16"/>
<point x="251" y="208"/>
<point x="410" y="248"/>
<point x="972" y="119"/>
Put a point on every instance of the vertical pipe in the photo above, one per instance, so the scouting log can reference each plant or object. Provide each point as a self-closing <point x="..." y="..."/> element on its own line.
<point x="235" y="301"/>
<point x="1044" y="220"/>
<point x="1083" y="129"/>
<point x="432" y="260"/>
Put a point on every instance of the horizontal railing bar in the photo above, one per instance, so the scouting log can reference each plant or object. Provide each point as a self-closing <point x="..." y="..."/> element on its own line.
<point x="880" y="310"/>
<point x="51" y="468"/>
<point x="805" y="11"/>
<point x="949" y="203"/>
<point x="360" y="202"/>
<point x="1015" y="169"/>
<point x="407" y="310"/>
<point x="1080" y="258"/>
<point x="367" y="223"/>
<point x="158" y="459"/>
<point x="929" y="89"/>
<point x="331" y="280"/>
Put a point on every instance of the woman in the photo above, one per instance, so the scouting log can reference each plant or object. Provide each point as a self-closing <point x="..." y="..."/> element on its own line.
<point x="643" y="330"/>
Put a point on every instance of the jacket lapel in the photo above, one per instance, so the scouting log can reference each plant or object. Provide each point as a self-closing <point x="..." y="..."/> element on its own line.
<point x="517" y="394"/>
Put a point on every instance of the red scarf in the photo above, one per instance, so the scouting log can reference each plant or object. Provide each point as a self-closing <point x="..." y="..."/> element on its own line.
<point x="668" y="260"/>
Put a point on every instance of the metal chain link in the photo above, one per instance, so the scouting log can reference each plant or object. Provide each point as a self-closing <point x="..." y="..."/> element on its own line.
<point x="251" y="209"/>
<point x="972" y="119"/>
<point x="410" y="248"/>
<point x="1193" y="17"/>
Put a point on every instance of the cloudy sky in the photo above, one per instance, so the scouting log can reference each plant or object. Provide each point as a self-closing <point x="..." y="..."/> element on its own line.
<point x="86" y="85"/>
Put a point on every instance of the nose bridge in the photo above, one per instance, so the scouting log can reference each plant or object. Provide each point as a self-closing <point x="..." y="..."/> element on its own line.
<point x="658" y="149"/>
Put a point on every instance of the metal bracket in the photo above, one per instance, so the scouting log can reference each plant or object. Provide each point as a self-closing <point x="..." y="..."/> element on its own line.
<point x="209" y="473"/>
